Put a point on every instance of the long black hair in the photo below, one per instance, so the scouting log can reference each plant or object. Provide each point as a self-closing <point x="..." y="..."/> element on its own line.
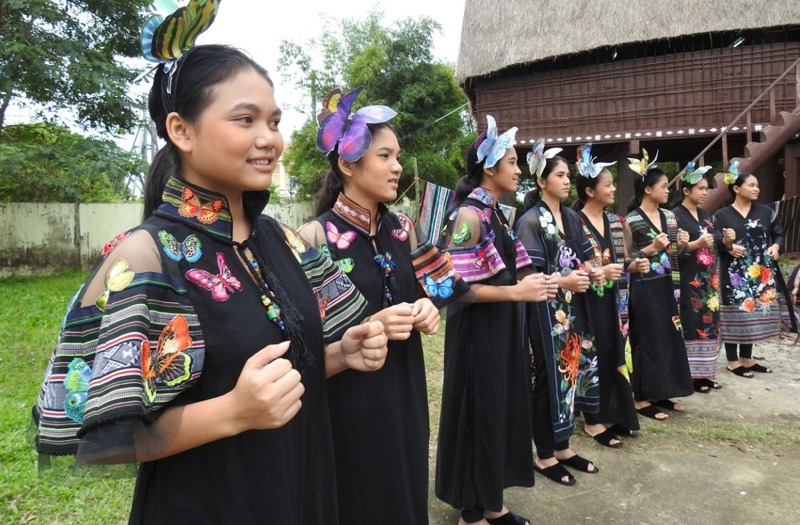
<point x="333" y="180"/>
<point x="470" y="181"/>
<point x="585" y="183"/>
<point x="535" y="194"/>
<point x="686" y="185"/>
<point x="195" y="75"/>
<point x="738" y="182"/>
<point x="640" y="183"/>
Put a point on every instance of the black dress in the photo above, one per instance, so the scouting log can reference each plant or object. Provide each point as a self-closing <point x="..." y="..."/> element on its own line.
<point x="699" y="295"/>
<point x="660" y="365"/>
<point x="380" y="420"/>
<point x="484" y="430"/>
<point x="563" y="350"/>
<point x="750" y="284"/>
<point x="616" y="395"/>
<point x="215" y="319"/>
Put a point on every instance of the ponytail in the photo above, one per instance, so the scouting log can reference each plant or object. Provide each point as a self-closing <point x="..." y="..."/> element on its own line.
<point x="164" y="165"/>
<point x="332" y="185"/>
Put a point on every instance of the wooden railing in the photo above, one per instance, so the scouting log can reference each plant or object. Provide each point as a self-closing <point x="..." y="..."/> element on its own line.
<point x="723" y="135"/>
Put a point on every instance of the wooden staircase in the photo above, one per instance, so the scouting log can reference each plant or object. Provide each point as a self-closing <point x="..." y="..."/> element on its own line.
<point x="783" y="127"/>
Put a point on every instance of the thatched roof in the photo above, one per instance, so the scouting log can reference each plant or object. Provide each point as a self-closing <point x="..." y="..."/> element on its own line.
<point x="498" y="34"/>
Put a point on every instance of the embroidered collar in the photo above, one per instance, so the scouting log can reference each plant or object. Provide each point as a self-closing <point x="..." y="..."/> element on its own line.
<point x="205" y="210"/>
<point x="356" y="215"/>
<point x="482" y="195"/>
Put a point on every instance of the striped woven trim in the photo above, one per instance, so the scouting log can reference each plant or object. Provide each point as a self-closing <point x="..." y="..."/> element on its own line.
<point x="430" y="263"/>
<point x="703" y="355"/>
<point x="110" y="343"/>
<point x="477" y="263"/>
<point x="738" y="326"/>
<point x="341" y="304"/>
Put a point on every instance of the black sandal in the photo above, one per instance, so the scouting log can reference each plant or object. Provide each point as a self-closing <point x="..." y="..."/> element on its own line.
<point x="556" y="473"/>
<point x="619" y="430"/>
<point x="651" y="411"/>
<point x="668" y="404"/>
<point x="605" y="438"/>
<point x="701" y="386"/>
<point x="580" y="463"/>
<point x="741" y="371"/>
<point x="509" y="518"/>
<point x="711" y="383"/>
<point x="761" y="369"/>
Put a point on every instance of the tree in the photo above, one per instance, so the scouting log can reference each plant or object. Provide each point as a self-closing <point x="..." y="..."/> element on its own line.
<point x="66" y="53"/>
<point x="397" y="69"/>
<point x="47" y="163"/>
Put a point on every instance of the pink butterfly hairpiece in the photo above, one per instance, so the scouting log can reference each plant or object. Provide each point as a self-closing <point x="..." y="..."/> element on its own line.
<point x="350" y="132"/>
<point x="537" y="157"/>
<point x="493" y="148"/>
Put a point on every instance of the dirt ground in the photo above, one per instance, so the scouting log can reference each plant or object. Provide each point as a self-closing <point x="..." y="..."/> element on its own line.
<point x="675" y="473"/>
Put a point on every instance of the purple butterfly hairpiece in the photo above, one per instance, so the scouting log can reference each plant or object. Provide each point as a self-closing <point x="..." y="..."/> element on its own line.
<point x="350" y="132"/>
<point x="537" y="158"/>
<point x="587" y="166"/>
<point x="493" y="148"/>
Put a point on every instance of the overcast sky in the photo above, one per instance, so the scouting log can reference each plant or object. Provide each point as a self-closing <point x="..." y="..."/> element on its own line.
<point x="259" y="27"/>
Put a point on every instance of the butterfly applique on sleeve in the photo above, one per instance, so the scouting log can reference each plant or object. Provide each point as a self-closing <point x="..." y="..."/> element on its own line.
<point x="443" y="289"/>
<point x="168" y="363"/>
<point x="117" y="278"/>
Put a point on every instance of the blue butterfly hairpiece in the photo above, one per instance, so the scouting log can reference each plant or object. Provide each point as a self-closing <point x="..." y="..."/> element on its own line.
<point x="693" y="176"/>
<point x="350" y="132"/>
<point x="493" y="148"/>
<point x="537" y="158"/>
<point x="587" y="166"/>
<point x="732" y="173"/>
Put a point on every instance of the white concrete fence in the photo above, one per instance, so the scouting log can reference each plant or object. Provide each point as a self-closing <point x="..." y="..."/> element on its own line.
<point x="41" y="238"/>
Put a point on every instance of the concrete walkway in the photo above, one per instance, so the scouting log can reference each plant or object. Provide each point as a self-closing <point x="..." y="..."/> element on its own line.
<point x="673" y="473"/>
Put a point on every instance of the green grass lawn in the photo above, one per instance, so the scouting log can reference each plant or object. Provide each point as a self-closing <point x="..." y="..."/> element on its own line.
<point x="29" y="321"/>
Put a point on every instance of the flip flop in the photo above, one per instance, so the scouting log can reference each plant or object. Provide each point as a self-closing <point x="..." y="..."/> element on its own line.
<point x="651" y="411"/>
<point x="509" y="518"/>
<point x="556" y="473"/>
<point x="605" y="438"/>
<point x="579" y="463"/>
<point x="668" y="404"/>
<point x="759" y="368"/>
<point x="741" y="371"/>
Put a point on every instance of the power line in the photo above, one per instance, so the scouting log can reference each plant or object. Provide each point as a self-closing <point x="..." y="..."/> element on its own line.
<point x="423" y="128"/>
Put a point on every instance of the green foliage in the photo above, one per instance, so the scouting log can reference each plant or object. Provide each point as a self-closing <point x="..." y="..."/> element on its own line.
<point x="48" y="163"/>
<point x="396" y="67"/>
<point x="67" y="55"/>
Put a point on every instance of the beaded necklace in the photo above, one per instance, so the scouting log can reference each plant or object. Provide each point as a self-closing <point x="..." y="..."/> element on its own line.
<point x="274" y="313"/>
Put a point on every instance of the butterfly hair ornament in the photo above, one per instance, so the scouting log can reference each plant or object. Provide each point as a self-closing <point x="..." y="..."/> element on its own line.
<point x="537" y="158"/>
<point x="493" y="148"/>
<point x="587" y="166"/>
<point x="733" y="172"/>
<point x="693" y="176"/>
<point x="165" y="40"/>
<point x="349" y="132"/>
<point x="641" y="166"/>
